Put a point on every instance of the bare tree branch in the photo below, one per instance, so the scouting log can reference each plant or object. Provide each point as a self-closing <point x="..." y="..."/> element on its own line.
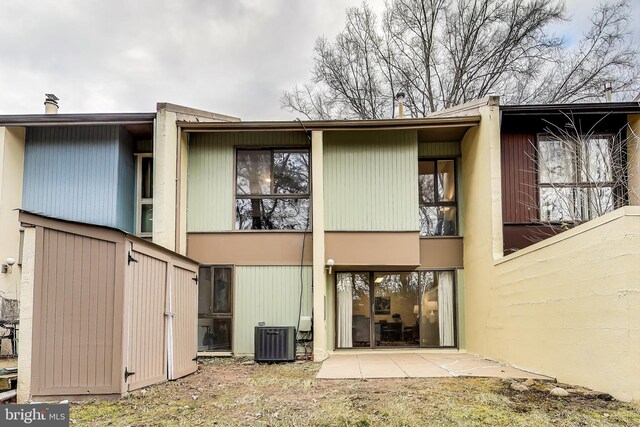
<point x="445" y="52"/>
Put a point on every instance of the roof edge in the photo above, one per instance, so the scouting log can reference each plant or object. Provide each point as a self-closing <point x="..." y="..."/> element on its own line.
<point x="42" y="220"/>
<point x="195" y="113"/>
<point x="470" y="108"/>
<point x="82" y="119"/>
<point x="595" y="107"/>
<point x="385" y="124"/>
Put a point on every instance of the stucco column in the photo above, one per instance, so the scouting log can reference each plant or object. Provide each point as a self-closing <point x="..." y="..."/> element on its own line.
<point x="181" y="228"/>
<point x="319" y="273"/>
<point x="164" y="179"/>
<point x="26" y="315"/>
<point x="633" y="158"/>
<point x="482" y="215"/>
<point x="11" y="172"/>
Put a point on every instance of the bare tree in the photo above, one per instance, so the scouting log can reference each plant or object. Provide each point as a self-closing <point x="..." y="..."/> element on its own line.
<point x="581" y="175"/>
<point x="441" y="53"/>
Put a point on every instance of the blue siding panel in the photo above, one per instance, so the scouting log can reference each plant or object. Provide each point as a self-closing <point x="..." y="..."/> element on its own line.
<point x="126" y="183"/>
<point x="73" y="173"/>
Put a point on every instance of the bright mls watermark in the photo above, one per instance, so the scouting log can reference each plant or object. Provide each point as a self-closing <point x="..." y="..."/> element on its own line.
<point x="53" y="415"/>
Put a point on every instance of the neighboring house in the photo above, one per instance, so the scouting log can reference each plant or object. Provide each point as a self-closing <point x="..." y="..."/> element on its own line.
<point x="387" y="233"/>
<point x="92" y="168"/>
<point x="562" y="165"/>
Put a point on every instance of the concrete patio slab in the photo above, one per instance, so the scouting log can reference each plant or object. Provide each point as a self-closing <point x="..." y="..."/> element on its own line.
<point x="379" y="366"/>
<point x="340" y="367"/>
<point x="417" y="365"/>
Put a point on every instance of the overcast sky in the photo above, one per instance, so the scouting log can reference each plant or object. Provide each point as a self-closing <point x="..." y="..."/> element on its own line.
<point x="228" y="56"/>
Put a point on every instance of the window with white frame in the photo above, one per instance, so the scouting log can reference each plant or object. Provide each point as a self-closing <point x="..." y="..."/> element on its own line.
<point x="144" y="210"/>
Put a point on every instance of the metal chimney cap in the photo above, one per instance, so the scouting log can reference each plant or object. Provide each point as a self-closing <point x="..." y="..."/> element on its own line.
<point x="51" y="98"/>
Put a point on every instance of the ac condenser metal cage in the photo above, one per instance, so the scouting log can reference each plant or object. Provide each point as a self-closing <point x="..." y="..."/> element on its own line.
<point x="275" y="344"/>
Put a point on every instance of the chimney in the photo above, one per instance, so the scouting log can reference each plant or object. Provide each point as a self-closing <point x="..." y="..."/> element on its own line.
<point x="400" y="99"/>
<point x="608" y="92"/>
<point x="50" y="104"/>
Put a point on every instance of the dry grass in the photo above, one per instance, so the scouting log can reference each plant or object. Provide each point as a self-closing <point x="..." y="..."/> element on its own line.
<point x="226" y="392"/>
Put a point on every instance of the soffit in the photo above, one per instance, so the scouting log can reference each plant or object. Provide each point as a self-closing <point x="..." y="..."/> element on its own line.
<point x="429" y="129"/>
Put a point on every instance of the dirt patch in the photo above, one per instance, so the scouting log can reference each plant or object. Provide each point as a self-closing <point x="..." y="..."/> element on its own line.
<point x="232" y="392"/>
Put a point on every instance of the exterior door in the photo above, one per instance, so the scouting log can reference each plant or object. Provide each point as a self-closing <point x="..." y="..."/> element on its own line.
<point x="395" y="309"/>
<point x="215" y="308"/>
<point x="183" y="323"/>
<point x="147" y="353"/>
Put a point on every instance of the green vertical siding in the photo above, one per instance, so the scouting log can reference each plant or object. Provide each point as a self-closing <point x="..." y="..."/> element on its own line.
<point x="269" y="294"/>
<point x="330" y="309"/>
<point x="371" y="180"/>
<point x="439" y="149"/>
<point x="210" y="188"/>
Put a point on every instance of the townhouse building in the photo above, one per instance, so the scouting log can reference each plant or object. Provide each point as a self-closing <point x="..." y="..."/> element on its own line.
<point x="469" y="230"/>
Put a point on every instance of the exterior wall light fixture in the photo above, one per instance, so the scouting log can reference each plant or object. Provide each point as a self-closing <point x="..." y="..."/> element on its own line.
<point x="6" y="268"/>
<point x="329" y="265"/>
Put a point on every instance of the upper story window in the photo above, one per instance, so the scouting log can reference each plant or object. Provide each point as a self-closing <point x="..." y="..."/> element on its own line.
<point x="144" y="210"/>
<point x="437" y="198"/>
<point x="575" y="178"/>
<point x="272" y="189"/>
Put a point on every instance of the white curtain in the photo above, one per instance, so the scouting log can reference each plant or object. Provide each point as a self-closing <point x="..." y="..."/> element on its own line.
<point x="345" y="310"/>
<point x="445" y="308"/>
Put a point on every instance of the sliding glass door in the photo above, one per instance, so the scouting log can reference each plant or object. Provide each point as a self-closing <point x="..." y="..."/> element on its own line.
<point x="395" y="309"/>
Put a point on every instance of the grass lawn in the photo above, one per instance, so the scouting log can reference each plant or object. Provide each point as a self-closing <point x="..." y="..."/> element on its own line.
<point x="229" y="392"/>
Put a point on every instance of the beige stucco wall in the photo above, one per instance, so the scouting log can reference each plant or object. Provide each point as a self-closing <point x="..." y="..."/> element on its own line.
<point x="25" y="342"/>
<point x="569" y="306"/>
<point x="11" y="171"/>
<point x="633" y="159"/>
<point x="482" y="217"/>
<point x="164" y="179"/>
<point x="320" y="326"/>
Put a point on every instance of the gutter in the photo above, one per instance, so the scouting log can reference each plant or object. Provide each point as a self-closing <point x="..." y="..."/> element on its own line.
<point x="76" y="119"/>
<point x="557" y="109"/>
<point x="311" y="125"/>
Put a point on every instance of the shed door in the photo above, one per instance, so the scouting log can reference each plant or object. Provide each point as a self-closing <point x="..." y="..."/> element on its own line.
<point x="184" y="322"/>
<point x="147" y="358"/>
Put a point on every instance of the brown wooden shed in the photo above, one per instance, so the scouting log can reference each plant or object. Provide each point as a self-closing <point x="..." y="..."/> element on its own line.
<point x="108" y="313"/>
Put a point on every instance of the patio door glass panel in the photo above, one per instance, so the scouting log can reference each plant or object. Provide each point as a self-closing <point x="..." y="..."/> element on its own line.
<point x="436" y="324"/>
<point x="215" y="308"/>
<point x="396" y="309"/>
<point x="353" y="310"/>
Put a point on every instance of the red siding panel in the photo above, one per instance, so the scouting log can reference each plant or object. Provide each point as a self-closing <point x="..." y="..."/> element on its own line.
<point x="519" y="188"/>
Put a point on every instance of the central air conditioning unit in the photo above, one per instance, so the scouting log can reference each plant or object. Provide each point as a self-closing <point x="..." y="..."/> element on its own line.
<point x="275" y="344"/>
